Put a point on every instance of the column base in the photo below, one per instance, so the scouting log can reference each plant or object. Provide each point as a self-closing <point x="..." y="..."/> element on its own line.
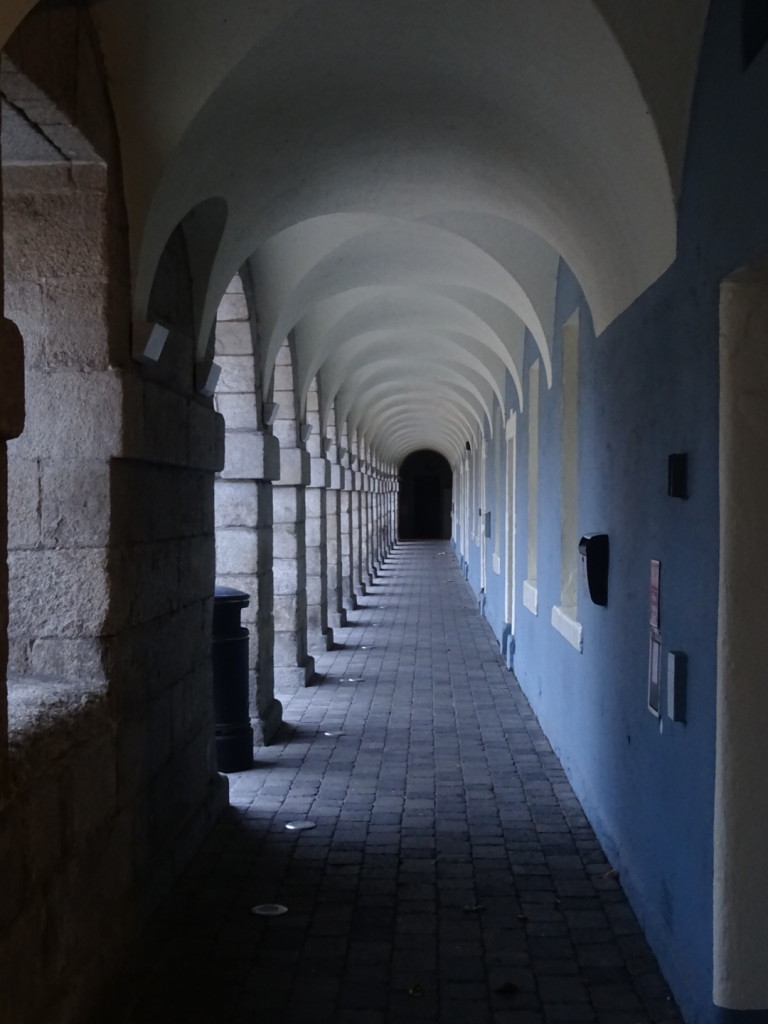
<point x="294" y="677"/>
<point x="265" y="727"/>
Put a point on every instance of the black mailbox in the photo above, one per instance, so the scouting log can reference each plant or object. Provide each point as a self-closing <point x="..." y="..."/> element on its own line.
<point x="593" y="548"/>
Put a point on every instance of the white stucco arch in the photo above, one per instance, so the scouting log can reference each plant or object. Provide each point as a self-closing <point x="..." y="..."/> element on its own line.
<point x="345" y="320"/>
<point x="385" y="354"/>
<point x="371" y="114"/>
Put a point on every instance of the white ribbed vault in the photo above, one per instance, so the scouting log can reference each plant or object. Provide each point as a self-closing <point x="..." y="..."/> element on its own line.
<point x="404" y="179"/>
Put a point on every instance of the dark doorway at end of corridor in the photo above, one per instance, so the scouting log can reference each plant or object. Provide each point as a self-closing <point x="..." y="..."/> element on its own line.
<point x="426" y="483"/>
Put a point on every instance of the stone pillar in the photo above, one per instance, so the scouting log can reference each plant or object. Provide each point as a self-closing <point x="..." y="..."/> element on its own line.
<point x="375" y="526"/>
<point x="243" y="500"/>
<point x="293" y="665"/>
<point x="346" y="494"/>
<point x="318" y="630"/>
<point x="379" y="552"/>
<point x="392" y="517"/>
<point x="381" y="506"/>
<point x="365" y="533"/>
<point x="358" y="582"/>
<point x="337" y="616"/>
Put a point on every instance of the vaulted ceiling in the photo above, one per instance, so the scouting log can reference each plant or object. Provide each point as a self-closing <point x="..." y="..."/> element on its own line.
<point x="404" y="177"/>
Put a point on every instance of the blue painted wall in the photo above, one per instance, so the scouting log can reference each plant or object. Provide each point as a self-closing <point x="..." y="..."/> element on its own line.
<point x="649" y="387"/>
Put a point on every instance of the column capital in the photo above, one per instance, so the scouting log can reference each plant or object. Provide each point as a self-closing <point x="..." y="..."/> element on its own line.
<point x="251" y="455"/>
<point x="295" y="469"/>
<point x="320" y="473"/>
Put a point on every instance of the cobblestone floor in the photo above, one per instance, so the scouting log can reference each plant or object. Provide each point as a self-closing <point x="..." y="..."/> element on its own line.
<point x="452" y="875"/>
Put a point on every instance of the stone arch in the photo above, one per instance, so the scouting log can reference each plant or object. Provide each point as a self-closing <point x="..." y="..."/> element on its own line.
<point x="180" y="288"/>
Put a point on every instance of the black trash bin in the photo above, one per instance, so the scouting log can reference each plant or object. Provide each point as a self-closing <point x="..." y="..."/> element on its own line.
<point x="234" y="735"/>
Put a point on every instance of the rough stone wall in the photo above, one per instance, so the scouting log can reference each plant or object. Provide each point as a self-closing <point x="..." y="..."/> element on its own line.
<point x="108" y="782"/>
<point x="56" y="290"/>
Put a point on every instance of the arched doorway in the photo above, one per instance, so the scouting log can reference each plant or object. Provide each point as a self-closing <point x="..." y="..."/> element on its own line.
<point x="424" y="511"/>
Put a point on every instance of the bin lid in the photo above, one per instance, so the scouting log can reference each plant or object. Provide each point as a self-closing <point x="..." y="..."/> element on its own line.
<point x="228" y="595"/>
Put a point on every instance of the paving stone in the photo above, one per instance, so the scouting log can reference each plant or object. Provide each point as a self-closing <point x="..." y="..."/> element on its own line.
<point x="452" y="876"/>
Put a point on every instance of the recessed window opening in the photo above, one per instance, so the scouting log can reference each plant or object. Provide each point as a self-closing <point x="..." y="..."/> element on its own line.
<point x="481" y="521"/>
<point x="565" y="615"/>
<point x="570" y="467"/>
<point x="530" y="590"/>
<point x="498" y="512"/>
<point x="510" y="524"/>
<point x="466" y="502"/>
<point x="424" y="510"/>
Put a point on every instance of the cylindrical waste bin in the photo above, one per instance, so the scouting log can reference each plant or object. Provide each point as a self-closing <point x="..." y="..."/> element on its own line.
<point x="234" y="735"/>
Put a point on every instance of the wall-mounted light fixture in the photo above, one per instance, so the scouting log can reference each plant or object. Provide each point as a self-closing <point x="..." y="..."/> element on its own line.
<point x="148" y="342"/>
<point x="270" y="410"/>
<point x="207" y="382"/>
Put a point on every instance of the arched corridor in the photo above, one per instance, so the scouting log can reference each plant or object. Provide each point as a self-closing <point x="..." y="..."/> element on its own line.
<point x="287" y="288"/>
<point x="451" y="875"/>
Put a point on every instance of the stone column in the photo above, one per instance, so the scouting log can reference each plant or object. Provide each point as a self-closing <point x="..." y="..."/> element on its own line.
<point x="337" y="616"/>
<point x="365" y="532"/>
<point x="393" y="501"/>
<point x="378" y="496"/>
<point x="243" y="499"/>
<point x="381" y="522"/>
<point x="318" y="630"/>
<point x="375" y="525"/>
<point x="358" y="582"/>
<point x="346" y="494"/>
<point x="293" y="665"/>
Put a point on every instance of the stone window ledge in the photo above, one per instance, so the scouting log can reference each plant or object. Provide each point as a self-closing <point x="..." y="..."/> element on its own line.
<point x="47" y="719"/>
<point x="531" y="596"/>
<point x="565" y="622"/>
